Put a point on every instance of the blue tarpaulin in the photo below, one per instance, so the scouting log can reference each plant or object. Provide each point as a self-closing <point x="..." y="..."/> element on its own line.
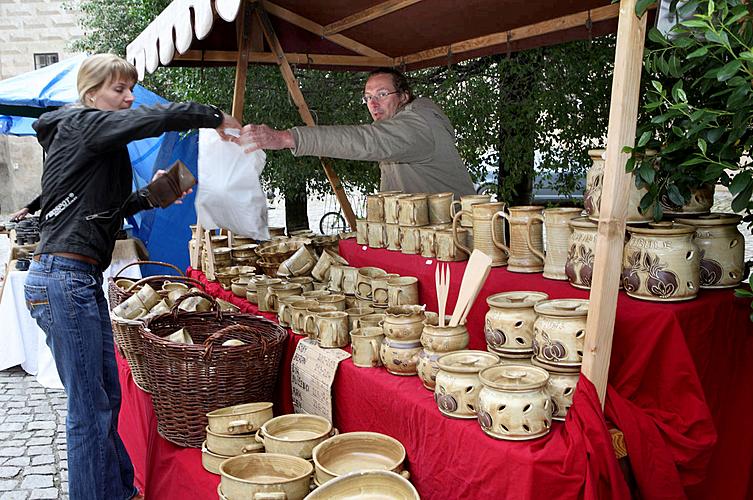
<point x="164" y="232"/>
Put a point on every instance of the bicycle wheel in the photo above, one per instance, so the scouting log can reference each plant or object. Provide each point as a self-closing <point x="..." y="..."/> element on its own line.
<point x="332" y="223"/>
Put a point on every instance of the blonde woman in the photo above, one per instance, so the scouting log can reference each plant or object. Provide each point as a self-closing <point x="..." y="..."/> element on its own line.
<point x="86" y="193"/>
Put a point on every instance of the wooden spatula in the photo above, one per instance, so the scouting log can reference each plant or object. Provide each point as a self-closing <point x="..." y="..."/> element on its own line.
<point x="476" y="272"/>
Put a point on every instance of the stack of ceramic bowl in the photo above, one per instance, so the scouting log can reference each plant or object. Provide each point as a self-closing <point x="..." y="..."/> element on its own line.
<point x="276" y="251"/>
<point x="458" y="384"/>
<point x="559" y="333"/>
<point x="436" y="341"/>
<point x="226" y="275"/>
<point x="508" y="326"/>
<point x="232" y="432"/>
<point x="244" y="254"/>
<point x="402" y="326"/>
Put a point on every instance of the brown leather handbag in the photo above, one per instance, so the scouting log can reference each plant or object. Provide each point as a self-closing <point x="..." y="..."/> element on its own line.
<point x="164" y="190"/>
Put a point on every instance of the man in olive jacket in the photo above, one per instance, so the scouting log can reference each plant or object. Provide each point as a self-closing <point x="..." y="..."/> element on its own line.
<point x="411" y="138"/>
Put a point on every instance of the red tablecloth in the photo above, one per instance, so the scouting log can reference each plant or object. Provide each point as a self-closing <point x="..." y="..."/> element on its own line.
<point x="668" y="361"/>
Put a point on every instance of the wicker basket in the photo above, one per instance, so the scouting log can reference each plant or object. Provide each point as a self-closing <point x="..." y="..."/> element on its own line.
<point x="189" y="381"/>
<point x="127" y="337"/>
<point x="118" y="295"/>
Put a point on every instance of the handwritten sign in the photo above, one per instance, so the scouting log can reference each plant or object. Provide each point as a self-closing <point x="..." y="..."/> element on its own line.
<point x="312" y="373"/>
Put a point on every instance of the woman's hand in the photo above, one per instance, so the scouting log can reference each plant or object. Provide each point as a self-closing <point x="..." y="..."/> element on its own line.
<point x="20" y="215"/>
<point x="228" y="123"/>
<point x="264" y="137"/>
<point x="159" y="173"/>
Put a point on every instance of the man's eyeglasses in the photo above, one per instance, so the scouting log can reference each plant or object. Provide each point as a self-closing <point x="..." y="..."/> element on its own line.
<point x="378" y="96"/>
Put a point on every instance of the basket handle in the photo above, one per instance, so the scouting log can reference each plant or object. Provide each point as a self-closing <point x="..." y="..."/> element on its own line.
<point x="210" y="341"/>
<point x="165" y="276"/>
<point x="155" y="262"/>
<point x="196" y="293"/>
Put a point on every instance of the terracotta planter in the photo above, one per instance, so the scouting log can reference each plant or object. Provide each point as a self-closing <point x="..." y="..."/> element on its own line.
<point x="559" y="331"/>
<point x="661" y="263"/>
<point x="513" y="403"/>
<point x="457" y="384"/>
<point x="722" y="248"/>
<point x="508" y="325"/>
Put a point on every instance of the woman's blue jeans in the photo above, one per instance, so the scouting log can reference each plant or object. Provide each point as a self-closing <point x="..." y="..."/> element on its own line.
<point x="65" y="298"/>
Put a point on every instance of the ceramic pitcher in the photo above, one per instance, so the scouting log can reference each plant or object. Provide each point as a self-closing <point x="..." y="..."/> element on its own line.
<point x="525" y="225"/>
<point x="557" y="228"/>
<point x="661" y="263"/>
<point x="722" y="249"/>
<point x="484" y="226"/>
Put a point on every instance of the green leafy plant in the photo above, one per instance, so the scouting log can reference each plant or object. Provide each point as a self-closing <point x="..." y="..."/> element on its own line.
<point x="698" y="106"/>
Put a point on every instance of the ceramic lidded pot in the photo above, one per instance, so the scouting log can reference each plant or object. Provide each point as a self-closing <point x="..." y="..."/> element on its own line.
<point x="561" y="387"/>
<point x="581" y="250"/>
<point x="508" y="326"/>
<point x="403" y="322"/>
<point x="457" y="384"/>
<point x="594" y="186"/>
<point x="722" y="248"/>
<point x="437" y="341"/>
<point x="661" y="263"/>
<point x="513" y="402"/>
<point x="559" y="331"/>
<point x="400" y="357"/>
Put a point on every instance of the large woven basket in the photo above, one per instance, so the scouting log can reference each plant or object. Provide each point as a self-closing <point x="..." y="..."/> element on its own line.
<point x="118" y="295"/>
<point x="127" y="335"/>
<point x="189" y="381"/>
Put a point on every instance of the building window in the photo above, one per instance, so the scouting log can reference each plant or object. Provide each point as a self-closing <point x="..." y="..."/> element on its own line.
<point x="42" y="60"/>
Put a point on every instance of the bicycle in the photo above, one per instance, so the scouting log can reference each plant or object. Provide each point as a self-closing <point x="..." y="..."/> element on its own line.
<point x="333" y="221"/>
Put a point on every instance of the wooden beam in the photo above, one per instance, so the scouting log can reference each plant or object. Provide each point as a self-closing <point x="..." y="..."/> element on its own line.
<point x="542" y="28"/>
<point x="303" y="110"/>
<point x="243" y="25"/>
<point x="318" y="29"/>
<point x="623" y="113"/>
<point x="367" y="15"/>
<point x="229" y="57"/>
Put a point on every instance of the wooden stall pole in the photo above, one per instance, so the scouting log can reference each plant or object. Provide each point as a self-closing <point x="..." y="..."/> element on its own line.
<point x="303" y="110"/>
<point x="623" y="113"/>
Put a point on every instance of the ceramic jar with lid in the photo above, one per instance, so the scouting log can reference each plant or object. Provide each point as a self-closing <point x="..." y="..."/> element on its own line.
<point x="594" y="186"/>
<point x="513" y="403"/>
<point x="436" y="341"/>
<point x="722" y="248"/>
<point x="559" y="332"/>
<point x="457" y="384"/>
<point x="561" y="387"/>
<point x="661" y="263"/>
<point x="404" y="322"/>
<point x="508" y="325"/>
<point x="400" y="357"/>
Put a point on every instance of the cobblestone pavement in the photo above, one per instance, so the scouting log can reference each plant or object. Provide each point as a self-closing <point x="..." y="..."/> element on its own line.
<point x="33" y="451"/>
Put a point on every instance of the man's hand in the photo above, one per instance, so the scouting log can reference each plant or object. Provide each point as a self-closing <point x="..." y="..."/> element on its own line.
<point x="264" y="137"/>
<point x="228" y="122"/>
<point x="20" y="215"/>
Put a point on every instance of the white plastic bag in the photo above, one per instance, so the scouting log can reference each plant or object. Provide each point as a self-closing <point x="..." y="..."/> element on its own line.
<point x="229" y="192"/>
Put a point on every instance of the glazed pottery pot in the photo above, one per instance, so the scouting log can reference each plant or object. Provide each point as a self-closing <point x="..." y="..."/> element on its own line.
<point x="403" y="322"/>
<point x="594" y="185"/>
<point x="295" y="434"/>
<point x="526" y="249"/>
<point x="579" y="262"/>
<point x="558" y="230"/>
<point x="364" y="278"/>
<point x="508" y="326"/>
<point x="661" y="263"/>
<point x="465" y="204"/>
<point x="238" y="286"/>
<point x="428" y="245"/>
<point x="485" y="225"/>
<point x="561" y="387"/>
<point x="400" y="357"/>
<point x="443" y="339"/>
<point x="513" y="403"/>
<point x="366" y="343"/>
<point x="402" y="291"/>
<point x="285" y="311"/>
<point x="239" y="419"/>
<point x="382" y="484"/>
<point x="362" y="231"/>
<point x="231" y="445"/>
<point x="457" y="384"/>
<point x="427" y="368"/>
<point x="559" y="331"/>
<point x="355" y="452"/>
<point x="262" y="475"/>
<point x="413" y="210"/>
<point x="211" y="461"/>
<point x="722" y="248"/>
<point x="299" y="264"/>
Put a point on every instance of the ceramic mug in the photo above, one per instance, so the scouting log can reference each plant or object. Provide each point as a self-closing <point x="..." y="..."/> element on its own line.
<point x="298" y="264"/>
<point x="377" y="235"/>
<point x="440" y="208"/>
<point x="410" y="240"/>
<point x="402" y="291"/>
<point x="483" y="230"/>
<point x="428" y="241"/>
<point x="393" y="236"/>
<point x="392" y="207"/>
<point x="279" y="291"/>
<point x="355" y="314"/>
<point x="526" y="249"/>
<point x="350" y="280"/>
<point x="332" y="329"/>
<point x="413" y="211"/>
<point x="262" y="290"/>
<point x="465" y="204"/>
<point x="308" y="322"/>
<point x="379" y="294"/>
<point x="306" y="282"/>
<point x="557" y="227"/>
<point x="337" y="300"/>
<point x="285" y="312"/>
<point x="323" y="267"/>
<point x="371" y="320"/>
<point x="362" y="231"/>
<point x="364" y="279"/>
<point x="446" y="249"/>
<point x="366" y="344"/>
<point x="298" y="311"/>
<point x="336" y="277"/>
<point x="374" y="208"/>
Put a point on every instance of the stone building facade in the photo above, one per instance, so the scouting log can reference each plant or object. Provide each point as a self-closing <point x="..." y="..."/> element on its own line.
<point x="32" y="32"/>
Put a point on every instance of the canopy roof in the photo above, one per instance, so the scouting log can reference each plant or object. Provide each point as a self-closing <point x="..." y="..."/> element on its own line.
<point x="364" y="34"/>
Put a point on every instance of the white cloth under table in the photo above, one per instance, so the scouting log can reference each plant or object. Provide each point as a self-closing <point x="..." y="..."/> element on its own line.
<point x="22" y="342"/>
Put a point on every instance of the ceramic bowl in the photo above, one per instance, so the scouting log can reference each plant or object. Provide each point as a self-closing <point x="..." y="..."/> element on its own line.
<point x="295" y="434"/>
<point x="355" y="452"/>
<point x="239" y="419"/>
<point x="265" y="475"/>
<point x="382" y="484"/>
